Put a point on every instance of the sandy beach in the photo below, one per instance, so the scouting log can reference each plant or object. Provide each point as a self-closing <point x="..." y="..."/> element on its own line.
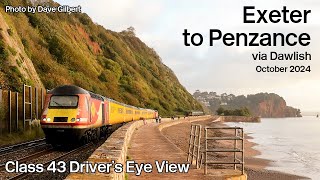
<point x="254" y="167"/>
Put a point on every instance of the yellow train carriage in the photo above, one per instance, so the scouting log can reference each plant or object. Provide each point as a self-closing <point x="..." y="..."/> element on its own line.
<point x="120" y="113"/>
<point x="137" y="113"/>
<point x="129" y="114"/>
<point x="116" y="112"/>
<point x="150" y="114"/>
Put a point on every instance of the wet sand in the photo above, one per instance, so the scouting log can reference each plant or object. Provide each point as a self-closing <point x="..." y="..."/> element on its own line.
<point x="254" y="167"/>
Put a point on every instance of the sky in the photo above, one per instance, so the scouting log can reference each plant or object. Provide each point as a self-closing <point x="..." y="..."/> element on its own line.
<point x="218" y="68"/>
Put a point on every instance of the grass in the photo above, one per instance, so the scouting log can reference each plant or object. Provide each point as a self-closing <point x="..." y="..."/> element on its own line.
<point x="18" y="137"/>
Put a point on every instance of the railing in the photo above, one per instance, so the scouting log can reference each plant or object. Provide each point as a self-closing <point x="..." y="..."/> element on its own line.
<point x="194" y="144"/>
<point x="18" y="108"/>
<point x="238" y="136"/>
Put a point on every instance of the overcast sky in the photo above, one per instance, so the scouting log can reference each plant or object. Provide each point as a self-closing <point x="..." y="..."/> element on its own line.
<point x="219" y="68"/>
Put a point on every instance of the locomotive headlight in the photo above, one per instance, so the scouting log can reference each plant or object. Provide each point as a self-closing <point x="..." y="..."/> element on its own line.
<point x="44" y="119"/>
<point x="78" y="119"/>
<point x="48" y="119"/>
<point x="73" y="119"/>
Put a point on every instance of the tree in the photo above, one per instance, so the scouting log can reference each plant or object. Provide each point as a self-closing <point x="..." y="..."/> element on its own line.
<point x="130" y="31"/>
<point x="220" y="111"/>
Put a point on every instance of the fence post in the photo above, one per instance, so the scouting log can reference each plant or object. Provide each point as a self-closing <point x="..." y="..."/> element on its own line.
<point x="36" y="94"/>
<point x="24" y="106"/>
<point x="198" y="154"/>
<point x="206" y="151"/>
<point x="190" y="145"/>
<point x="1" y="110"/>
<point x="235" y="147"/>
<point x="17" y="107"/>
<point x="41" y="99"/>
<point x="30" y="97"/>
<point x="242" y="136"/>
<point x="10" y="114"/>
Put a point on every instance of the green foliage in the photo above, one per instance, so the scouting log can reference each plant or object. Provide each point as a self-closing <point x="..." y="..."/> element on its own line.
<point x="4" y="54"/>
<point x="93" y="38"/>
<point x="235" y="112"/>
<point x="19" y="62"/>
<point x="130" y="31"/>
<point x="57" y="50"/>
<point x="16" y="78"/>
<point x="25" y="43"/>
<point x="34" y="20"/>
<point x="2" y="113"/>
<point x="22" y="136"/>
<point x="220" y="111"/>
<point x="5" y="2"/>
<point x="85" y="19"/>
<point x="12" y="50"/>
<point x="10" y="32"/>
<point x="103" y="77"/>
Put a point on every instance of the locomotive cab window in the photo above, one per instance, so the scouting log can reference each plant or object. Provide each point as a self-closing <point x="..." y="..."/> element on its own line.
<point x="63" y="102"/>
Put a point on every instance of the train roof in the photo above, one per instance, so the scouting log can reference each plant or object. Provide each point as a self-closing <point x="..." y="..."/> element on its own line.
<point x="67" y="90"/>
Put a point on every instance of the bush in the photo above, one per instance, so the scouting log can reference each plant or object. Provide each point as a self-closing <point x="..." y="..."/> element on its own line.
<point x="4" y="54"/>
<point x="12" y="50"/>
<point x="235" y="112"/>
<point x="25" y="43"/>
<point x="10" y="32"/>
<point x="2" y="113"/>
<point x="33" y="20"/>
<point x="85" y="19"/>
<point x="103" y="77"/>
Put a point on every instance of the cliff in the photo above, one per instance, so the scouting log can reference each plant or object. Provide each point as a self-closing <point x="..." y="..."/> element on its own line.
<point x="47" y="50"/>
<point x="268" y="105"/>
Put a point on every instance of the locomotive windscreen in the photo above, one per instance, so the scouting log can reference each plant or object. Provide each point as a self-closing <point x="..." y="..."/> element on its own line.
<point x="63" y="101"/>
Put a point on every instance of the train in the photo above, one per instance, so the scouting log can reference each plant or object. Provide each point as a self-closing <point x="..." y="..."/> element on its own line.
<point x="195" y="113"/>
<point x="74" y="115"/>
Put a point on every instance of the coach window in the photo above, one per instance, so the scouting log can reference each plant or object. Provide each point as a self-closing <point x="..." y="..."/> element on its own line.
<point x="86" y="104"/>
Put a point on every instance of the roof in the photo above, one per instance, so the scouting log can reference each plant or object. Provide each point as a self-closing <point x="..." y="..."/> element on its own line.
<point x="67" y="90"/>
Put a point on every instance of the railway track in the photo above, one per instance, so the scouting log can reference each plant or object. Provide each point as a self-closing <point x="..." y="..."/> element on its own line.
<point x="29" y="157"/>
<point x="23" y="175"/>
<point x="22" y="150"/>
<point x="29" y="144"/>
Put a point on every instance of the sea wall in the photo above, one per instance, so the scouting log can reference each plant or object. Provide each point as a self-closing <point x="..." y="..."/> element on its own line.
<point x="240" y="119"/>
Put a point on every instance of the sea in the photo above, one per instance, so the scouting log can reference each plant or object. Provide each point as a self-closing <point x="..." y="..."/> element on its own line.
<point x="292" y="144"/>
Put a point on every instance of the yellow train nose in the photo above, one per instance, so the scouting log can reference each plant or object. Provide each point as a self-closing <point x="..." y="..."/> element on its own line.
<point x="62" y="115"/>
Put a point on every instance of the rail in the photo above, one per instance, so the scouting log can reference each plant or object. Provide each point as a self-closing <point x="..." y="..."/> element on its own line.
<point x="23" y="175"/>
<point x="9" y="148"/>
<point x="194" y="144"/>
<point x="238" y="136"/>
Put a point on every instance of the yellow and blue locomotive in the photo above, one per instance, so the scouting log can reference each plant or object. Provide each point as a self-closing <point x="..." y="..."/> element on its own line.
<point x="72" y="114"/>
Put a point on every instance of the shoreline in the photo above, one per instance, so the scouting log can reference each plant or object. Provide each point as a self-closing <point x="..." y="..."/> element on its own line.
<point x="254" y="167"/>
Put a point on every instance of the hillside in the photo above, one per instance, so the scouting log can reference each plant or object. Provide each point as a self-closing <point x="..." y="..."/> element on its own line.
<point x="47" y="50"/>
<point x="268" y="105"/>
